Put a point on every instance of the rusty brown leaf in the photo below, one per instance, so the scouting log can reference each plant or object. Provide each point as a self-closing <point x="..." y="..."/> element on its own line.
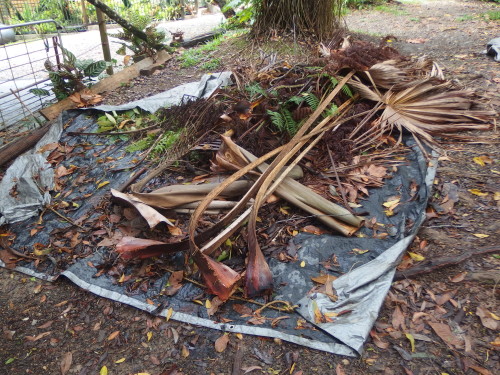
<point x="221" y="343"/>
<point x="444" y="332"/>
<point x="458" y="277"/>
<point x="398" y="319"/>
<point x="487" y="318"/>
<point x="113" y="335"/>
<point x="46" y="324"/>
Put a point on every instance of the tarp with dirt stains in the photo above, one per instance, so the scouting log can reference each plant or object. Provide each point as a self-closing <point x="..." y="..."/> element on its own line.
<point x="366" y="265"/>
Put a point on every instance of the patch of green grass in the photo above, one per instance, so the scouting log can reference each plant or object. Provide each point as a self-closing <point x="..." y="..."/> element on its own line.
<point x="415" y="19"/>
<point x="391" y="10"/>
<point x="203" y="54"/>
<point x="190" y="58"/>
<point x="376" y="35"/>
<point x="212" y="64"/>
<point x="494" y="15"/>
<point x="465" y="17"/>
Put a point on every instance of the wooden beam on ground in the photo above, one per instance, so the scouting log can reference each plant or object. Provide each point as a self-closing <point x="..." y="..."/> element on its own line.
<point x="109" y="83"/>
<point x="15" y="148"/>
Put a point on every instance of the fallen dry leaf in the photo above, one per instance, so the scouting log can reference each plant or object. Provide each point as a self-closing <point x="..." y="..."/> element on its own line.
<point x="477" y="192"/>
<point x="487" y="318"/>
<point x="113" y="335"/>
<point x="416" y="41"/>
<point x="40" y="336"/>
<point x="66" y="361"/>
<point x="458" y="277"/>
<point x="46" y="324"/>
<point x="250" y="369"/>
<point x="184" y="351"/>
<point x="221" y="343"/>
<point x="398" y="319"/>
<point x="444" y="332"/>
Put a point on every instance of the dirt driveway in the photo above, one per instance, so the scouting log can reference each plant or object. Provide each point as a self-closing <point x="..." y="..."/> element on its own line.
<point x="422" y="317"/>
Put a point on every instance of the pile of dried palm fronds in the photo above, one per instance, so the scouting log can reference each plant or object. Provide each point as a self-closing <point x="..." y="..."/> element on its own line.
<point x="342" y="123"/>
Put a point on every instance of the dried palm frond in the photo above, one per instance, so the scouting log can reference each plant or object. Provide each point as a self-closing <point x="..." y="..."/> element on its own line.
<point x="425" y="108"/>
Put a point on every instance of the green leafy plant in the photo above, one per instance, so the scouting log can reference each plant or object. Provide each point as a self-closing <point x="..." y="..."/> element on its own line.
<point x="72" y="75"/>
<point x="254" y="89"/>
<point x="139" y="48"/>
<point x="283" y="121"/>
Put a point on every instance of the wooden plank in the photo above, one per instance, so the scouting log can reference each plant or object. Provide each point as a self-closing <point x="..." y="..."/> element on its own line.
<point x="15" y="148"/>
<point x="109" y="83"/>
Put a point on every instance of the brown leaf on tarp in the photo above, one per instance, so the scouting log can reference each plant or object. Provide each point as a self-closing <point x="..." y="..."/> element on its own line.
<point x="444" y="332"/>
<point x="66" y="361"/>
<point x="175" y="231"/>
<point x="9" y="259"/>
<point x="256" y="320"/>
<point x="487" y="318"/>
<point x="323" y="279"/>
<point x="174" y="283"/>
<point x="313" y="229"/>
<point x="221" y="343"/>
<point x="139" y="248"/>
<point x="152" y="216"/>
<point x="219" y="278"/>
<point x="177" y="195"/>
<point x="398" y="319"/>
<point x="258" y="276"/>
<point x="214" y="305"/>
<point x="242" y="309"/>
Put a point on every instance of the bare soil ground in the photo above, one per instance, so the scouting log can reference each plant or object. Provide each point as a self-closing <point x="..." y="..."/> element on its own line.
<point x="42" y="322"/>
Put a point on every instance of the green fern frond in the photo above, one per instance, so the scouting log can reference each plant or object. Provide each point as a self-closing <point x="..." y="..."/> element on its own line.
<point x="330" y="111"/>
<point x="254" y="89"/>
<point x="311" y="100"/>
<point x="295" y="100"/>
<point x="277" y="120"/>
<point x="169" y="138"/>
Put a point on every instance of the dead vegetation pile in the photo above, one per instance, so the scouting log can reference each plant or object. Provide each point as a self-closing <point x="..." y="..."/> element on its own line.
<point x="304" y="139"/>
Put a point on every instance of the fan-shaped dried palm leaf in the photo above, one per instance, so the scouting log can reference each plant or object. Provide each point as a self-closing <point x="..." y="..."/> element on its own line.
<point x="427" y="107"/>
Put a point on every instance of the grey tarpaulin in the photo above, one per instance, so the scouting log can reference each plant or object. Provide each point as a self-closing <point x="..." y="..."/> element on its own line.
<point x="31" y="174"/>
<point x="362" y="285"/>
<point x="202" y="89"/>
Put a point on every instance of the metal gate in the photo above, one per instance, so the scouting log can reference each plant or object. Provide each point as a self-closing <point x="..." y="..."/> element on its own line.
<point x="21" y="70"/>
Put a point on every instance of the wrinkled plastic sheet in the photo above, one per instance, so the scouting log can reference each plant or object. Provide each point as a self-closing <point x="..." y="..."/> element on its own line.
<point x="30" y="174"/>
<point x="202" y="89"/>
<point x="364" y="277"/>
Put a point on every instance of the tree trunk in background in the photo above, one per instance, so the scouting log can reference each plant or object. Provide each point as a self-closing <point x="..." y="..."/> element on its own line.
<point x="222" y="3"/>
<point x="300" y="17"/>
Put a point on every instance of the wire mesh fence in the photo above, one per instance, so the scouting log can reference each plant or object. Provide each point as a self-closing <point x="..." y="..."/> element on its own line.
<point x="21" y="70"/>
<point x="74" y="14"/>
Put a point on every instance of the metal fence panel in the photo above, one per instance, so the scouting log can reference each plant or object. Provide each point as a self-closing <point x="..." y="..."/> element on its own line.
<point x="22" y="69"/>
<point x="77" y="13"/>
